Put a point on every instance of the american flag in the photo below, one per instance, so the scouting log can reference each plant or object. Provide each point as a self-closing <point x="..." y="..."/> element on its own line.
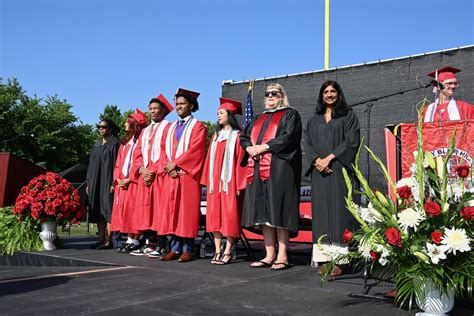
<point x="248" y="114"/>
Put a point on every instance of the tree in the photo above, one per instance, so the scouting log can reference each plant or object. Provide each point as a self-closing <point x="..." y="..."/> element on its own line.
<point x="113" y="112"/>
<point x="43" y="131"/>
<point x="211" y="128"/>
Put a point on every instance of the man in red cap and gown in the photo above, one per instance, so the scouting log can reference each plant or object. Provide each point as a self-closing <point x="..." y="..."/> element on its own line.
<point x="184" y="148"/>
<point x="447" y="107"/>
<point x="146" y="166"/>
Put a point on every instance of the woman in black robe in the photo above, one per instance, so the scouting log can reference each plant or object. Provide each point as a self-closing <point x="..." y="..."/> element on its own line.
<point x="332" y="137"/>
<point x="272" y="142"/>
<point x="100" y="177"/>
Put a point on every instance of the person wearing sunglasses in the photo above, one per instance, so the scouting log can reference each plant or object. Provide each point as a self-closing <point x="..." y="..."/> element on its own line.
<point x="331" y="137"/>
<point x="446" y="107"/>
<point x="125" y="191"/>
<point x="273" y="159"/>
<point x="99" y="181"/>
<point x="225" y="180"/>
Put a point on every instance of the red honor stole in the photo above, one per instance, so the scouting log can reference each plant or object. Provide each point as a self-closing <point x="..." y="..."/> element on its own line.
<point x="269" y="134"/>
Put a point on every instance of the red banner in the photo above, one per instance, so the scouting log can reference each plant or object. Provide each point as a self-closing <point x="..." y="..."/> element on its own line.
<point x="437" y="139"/>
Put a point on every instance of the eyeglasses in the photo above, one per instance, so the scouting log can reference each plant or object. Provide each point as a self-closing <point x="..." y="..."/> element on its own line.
<point x="272" y="93"/>
<point x="102" y="126"/>
<point x="451" y="84"/>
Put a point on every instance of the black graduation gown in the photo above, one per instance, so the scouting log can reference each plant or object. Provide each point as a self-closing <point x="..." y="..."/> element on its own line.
<point x="276" y="200"/>
<point x="341" y="137"/>
<point x="100" y="177"/>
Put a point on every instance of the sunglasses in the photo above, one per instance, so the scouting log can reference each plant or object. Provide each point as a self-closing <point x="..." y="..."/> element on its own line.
<point x="102" y="126"/>
<point x="272" y="93"/>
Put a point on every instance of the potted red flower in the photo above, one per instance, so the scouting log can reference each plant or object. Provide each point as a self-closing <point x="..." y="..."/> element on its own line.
<point x="50" y="200"/>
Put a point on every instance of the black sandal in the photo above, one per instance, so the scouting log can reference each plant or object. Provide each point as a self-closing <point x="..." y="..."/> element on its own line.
<point x="222" y="262"/>
<point x="283" y="265"/>
<point x="261" y="264"/>
<point x="216" y="258"/>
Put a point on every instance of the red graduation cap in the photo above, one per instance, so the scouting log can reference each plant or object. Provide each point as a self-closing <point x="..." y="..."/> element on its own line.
<point x="193" y="94"/>
<point x="168" y="106"/>
<point x="231" y="105"/>
<point x="445" y="73"/>
<point x="140" y="117"/>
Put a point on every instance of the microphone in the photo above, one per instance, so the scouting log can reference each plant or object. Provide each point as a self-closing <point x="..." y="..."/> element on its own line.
<point x="437" y="84"/>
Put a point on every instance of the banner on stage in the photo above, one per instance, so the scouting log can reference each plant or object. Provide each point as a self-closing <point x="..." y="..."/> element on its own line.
<point x="437" y="139"/>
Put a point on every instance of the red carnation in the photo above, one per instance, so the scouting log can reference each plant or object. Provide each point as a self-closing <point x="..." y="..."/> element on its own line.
<point x="50" y="178"/>
<point x="467" y="213"/>
<point x="393" y="237"/>
<point x="436" y="237"/>
<point x="462" y="170"/>
<point x="374" y="255"/>
<point x="38" y="185"/>
<point x="405" y="192"/>
<point x="432" y="208"/>
<point x="57" y="202"/>
<point x="347" y="236"/>
<point x="50" y="194"/>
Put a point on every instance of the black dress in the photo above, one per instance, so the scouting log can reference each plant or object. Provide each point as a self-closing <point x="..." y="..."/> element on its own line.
<point x="100" y="177"/>
<point x="275" y="201"/>
<point x="341" y="137"/>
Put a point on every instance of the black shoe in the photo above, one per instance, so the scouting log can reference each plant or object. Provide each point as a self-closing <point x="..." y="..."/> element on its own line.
<point x="119" y="249"/>
<point x="130" y="247"/>
<point x="108" y="245"/>
<point x="95" y="245"/>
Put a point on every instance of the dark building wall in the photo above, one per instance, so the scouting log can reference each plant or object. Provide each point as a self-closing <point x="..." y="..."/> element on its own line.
<point x="367" y="81"/>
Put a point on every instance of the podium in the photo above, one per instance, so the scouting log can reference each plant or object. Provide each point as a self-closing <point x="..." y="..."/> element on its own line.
<point x="401" y="143"/>
<point x="15" y="173"/>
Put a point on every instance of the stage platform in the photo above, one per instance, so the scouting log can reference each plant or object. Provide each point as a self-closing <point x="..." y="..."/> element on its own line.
<point x="77" y="280"/>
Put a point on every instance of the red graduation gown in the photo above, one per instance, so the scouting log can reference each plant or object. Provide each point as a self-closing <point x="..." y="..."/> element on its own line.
<point x="145" y="203"/>
<point x="124" y="198"/>
<point x="224" y="210"/>
<point x="181" y="198"/>
<point x="466" y="111"/>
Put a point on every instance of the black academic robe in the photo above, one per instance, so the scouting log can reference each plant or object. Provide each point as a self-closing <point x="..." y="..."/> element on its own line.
<point x="100" y="177"/>
<point x="275" y="202"/>
<point x="341" y="137"/>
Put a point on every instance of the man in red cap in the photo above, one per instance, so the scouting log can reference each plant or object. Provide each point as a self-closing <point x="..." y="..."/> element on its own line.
<point x="446" y="107"/>
<point x="144" y="171"/>
<point x="185" y="148"/>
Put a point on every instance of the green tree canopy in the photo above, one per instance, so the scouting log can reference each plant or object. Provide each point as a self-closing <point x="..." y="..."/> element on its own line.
<point x="44" y="131"/>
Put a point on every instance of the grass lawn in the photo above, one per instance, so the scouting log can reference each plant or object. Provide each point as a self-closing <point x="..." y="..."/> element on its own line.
<point x="79" y="230"/>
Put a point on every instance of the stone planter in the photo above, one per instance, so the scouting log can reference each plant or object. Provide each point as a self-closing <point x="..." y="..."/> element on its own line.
<point x="48" y="235"/>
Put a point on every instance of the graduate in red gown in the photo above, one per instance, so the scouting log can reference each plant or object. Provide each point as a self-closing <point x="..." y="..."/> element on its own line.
<point x="447" y="107"/>
<point x="225" y="180"/>
<point x="185" y="149"/>
<point x="125" y="188"/>
<point x="144" y="172"/>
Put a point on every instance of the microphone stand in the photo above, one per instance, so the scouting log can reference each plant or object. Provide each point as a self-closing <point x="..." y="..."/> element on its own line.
<point x="369" y="104"/>
<point x="368" y="110"/>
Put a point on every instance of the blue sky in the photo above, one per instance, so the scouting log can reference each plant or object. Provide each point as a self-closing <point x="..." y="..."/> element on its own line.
<point x="98" y="52"/>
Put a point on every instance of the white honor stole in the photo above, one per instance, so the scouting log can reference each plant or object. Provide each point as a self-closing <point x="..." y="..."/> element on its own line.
<point x="156" y="146"/>
<point x="127" y="164"/>
<point x="183" y="144"/>
<point x="453" y="111"/>
<point x="227" y="162"/>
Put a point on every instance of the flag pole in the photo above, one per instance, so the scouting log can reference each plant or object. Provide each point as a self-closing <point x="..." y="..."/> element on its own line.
<point x="326" y="33"/>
